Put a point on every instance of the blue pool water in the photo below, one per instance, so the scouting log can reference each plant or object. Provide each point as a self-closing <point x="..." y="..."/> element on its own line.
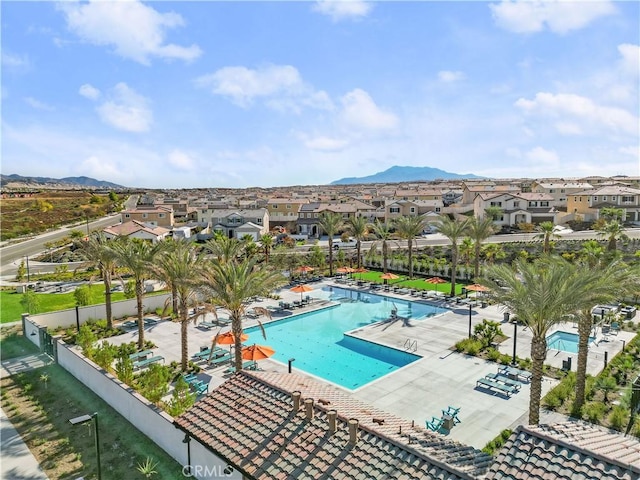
<point x="565" y="341"/>
<point x="317" y="341"/>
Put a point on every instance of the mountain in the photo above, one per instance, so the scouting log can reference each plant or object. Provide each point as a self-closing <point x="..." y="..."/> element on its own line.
<point x="405" y="174"/>
<point x="87" y="182"/>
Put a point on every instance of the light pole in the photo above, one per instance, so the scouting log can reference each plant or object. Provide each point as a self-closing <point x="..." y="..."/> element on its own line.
<point x="28" y="274"/>
<point x="515" y="337"/>
<point x="469" y="320"/>
<point x="87" y="418"/>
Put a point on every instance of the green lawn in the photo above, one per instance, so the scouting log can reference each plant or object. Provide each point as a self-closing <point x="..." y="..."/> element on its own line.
<point x="403" y="281"/>
<point x="13" y="344"/>
<point x="11" y="310"/>
<point x="40" y="410"/>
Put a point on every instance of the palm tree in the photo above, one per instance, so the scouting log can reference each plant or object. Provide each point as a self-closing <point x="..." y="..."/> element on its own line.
<point x="267" y="243"/>
<point x="232" y="284"/>
<point x="137" y="256"/>
<point x="540" y="294"/>
<point x="612" y="231"/>
<point x="223" y="247"/>
<point x="605" y="284"/>
<point x="358" y="229"/>
<point x="493" y="252"/>
<point x="330" y="223"/>
<point x="591" y="252"/>
<point x="179" y="265"/>
<point x="479" y="231"/>
<point x="409" y="228"/>
<point x="97" y="252"/>
<point x="454" y="230"/>
<point x="546" y="233"/>
<point x="382" y="231"/>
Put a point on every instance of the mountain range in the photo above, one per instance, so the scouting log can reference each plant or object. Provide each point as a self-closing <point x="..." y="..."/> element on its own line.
<point x="87" y="182"/>
<point x="405" y="174"/>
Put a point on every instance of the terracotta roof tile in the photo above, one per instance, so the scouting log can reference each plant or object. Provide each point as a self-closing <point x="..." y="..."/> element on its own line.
<point x="250" y="422"/>
<point x="567" y="451"/>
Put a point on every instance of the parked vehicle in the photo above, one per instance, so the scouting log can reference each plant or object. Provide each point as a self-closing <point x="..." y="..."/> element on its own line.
<point x="339" y="244"/>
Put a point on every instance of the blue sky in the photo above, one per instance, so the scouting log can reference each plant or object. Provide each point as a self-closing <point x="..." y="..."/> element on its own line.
<point x="240" y="94"/>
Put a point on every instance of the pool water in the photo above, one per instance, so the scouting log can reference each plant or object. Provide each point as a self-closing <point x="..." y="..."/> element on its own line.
<point x="317" y="340"/>
<point x="565" y="341"/>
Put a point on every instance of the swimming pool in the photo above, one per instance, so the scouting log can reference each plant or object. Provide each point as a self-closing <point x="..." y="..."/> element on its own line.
<point x="317" y="340"/>
<point x="565" y="341"/>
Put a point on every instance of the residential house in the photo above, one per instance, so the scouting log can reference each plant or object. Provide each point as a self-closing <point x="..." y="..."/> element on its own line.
<point x="471" y="189"/>
<point x="308" y="218"/>
<point x="284" y="211"/>
<point x="412" y="208"/>
<point x="559" y="191"/>
<point x="135" y="229"/>
<point x="161" y="216"/>
<point x="589" y="203"/>
<point x="235" y="223"/>
<point x="516" y="208"/>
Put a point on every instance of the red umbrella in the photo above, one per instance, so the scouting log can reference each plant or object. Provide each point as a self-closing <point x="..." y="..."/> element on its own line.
<point x="476" y="287"/>
<point x="345" y="270"/>
<point x="257" y="352"/>
<point x="304" y="269"/>
<point x="302" y="289"/>
<point x="228" y="338"/>
<point x="435" y="281"/>
<point x="389" y="276"/>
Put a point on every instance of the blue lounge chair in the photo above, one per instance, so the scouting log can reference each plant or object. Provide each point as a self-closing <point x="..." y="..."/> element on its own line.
<point x="435" y="424"/>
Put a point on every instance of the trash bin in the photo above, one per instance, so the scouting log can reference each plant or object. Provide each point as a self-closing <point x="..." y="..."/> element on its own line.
<point x="507" y="315"/>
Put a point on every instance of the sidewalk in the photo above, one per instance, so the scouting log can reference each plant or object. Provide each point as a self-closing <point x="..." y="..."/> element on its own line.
<point x="16" y="460"/>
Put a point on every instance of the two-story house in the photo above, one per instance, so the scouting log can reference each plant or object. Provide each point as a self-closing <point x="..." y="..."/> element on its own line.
<point x="284" y="212"/>
<point x="516" y="208"/>
<point x="160" y="216"/>
<point x="589" y="203"/>
<point x="235" y="223"/>
<point x="559" y="190"/>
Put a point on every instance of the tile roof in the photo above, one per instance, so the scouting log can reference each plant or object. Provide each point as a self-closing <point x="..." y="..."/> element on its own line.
<point x="249" y="422"/>
<point x="571" y="450"/>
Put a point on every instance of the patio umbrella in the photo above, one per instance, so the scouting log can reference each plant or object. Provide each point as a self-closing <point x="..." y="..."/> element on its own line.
<point x="302" y="289"/>
<point x="345" y="270"/>
<point x="476" y="287"/>
<point x="389" y="276"/>
<point x="257" y="352"/>
<point x="360" y="270"/>
<point x="304" y="269"/>
<point x="227" y="338"/>
<point x="435" y="281"/>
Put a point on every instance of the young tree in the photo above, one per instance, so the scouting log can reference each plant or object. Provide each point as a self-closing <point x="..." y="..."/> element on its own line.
<point x="546" y="233"/>
<point x="454" y="230"/>
<point x="409" y="228"/>
<point x="267" y="242"/>
<point x="358" y="229"/>
<point x="382" y="231"/>
<point x="330" y="223"/>
<point x="479" y="230"/>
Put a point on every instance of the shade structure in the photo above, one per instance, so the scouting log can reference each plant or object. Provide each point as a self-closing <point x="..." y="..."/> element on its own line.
<point x="345" y="270"/>
<point x="436" y="281"/>
<point x="304" y="269"/>
<point x="228" y="338"/>
<point x="389" y="276"/>
<point x="301" y="289"/>
<point x="257" y="352"/>
<point x="476" y="287"/>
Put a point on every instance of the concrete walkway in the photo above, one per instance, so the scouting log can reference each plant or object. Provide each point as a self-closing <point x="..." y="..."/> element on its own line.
<point x="16" y="460"/>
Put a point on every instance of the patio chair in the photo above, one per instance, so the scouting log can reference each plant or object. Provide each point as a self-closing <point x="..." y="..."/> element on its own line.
<point x="453" y="413"/>
<point x="615" y="328"/>
<point x="435" y="424"/>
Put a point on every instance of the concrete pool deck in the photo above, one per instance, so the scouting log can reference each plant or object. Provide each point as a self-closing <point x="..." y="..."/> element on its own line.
<point x="422" y="389"/>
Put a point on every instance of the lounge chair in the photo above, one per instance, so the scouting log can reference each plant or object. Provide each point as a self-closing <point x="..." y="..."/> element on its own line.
<point x="435" y="424"/>
<point x="453" y="413"/>
<point x="147" y="361"/>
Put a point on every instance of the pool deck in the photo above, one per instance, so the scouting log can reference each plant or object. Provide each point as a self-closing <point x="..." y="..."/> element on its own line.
<point x="422" y="389"/>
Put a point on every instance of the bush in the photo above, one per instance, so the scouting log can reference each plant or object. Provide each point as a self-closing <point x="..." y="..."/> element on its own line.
<point x="493" y="354"/>
<point x="153" y="383"/>
<point x="104" y="355"/>
<point x="552" y="400"/>
<point x="182" y="399"/>
<point x="487" y="332"/>
<point x="618" y="417"/>
<point x="594" y="411"/>
<point x="470" y="346"/>
<point x="497" y="443"/>
<point x="86" y="339"/>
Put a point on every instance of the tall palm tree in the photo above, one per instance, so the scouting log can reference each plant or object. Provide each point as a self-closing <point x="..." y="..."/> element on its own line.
<point x="546" y="232"/>
<point x="137" y="257"/>
<point x="540" y="294"/>
<point x="605" y="283"/>
<point x="223" y="247"/>
<point x="612" y="231"/>
<point x="330" y="223"/>
<point x="479" y="230"/>
<point x="493" y="252"/>
<point x="591" y="252"/>
<point x="454" y="230"/>
<point x="231" y="284"/>
<point x="408" y="228"/>
<point x="97" y="252"/>
<point x="266" y="241"/>
<point x="382" y="231"/>
<point x="179" y="265"/>
<point x="358" y="229"/>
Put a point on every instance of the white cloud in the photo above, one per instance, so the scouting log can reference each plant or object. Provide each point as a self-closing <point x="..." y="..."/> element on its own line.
<point x="540" y="155"/>
<point x="343" y="9"/>
<point x="568" y="128"/>
<point x="633" y="150"/>
<point x="630" y="62"/>
<point x="575" y="108"/>
<point x="181" y="160"/>
<point x="447" y="76"/>
<point x="326" y="144"/>
<point x="281" y="86"/>
<point x="38" y="105"/>
<point x="100" y="168"/>
<point x="136" y="31"/>
<point x="359" y="110"/>
<point x="89" y="91"/>
<point x="15" y="62"/>
<point x="126" y="110"/>
<point x="559" y="16"/>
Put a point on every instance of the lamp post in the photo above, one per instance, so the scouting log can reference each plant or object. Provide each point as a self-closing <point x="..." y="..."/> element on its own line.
<point x="469" y="320"/>
<point x="28" y="274"/>
<point x="515" y="337"/>
<point x="291" y="360"/>
<point x="87" y="418"/>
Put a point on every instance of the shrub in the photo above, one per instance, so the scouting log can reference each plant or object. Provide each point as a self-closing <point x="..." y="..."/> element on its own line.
<point x="470" y="346"/>
<point x="493" y="354"/>
<point x="497" y="443"/>
<point x="505" y="359"/>
<point x="86" y="339"/>
<point x="124" y="368"/>
<point x="182" y="399"/>
<point x="487" y="332"/>
<point x="552" y="400"/>
<point x="618" y="417"/>
<point x="154" y="382"/>
<point x="104" y="355"/>
<point x="594" y="411"/>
